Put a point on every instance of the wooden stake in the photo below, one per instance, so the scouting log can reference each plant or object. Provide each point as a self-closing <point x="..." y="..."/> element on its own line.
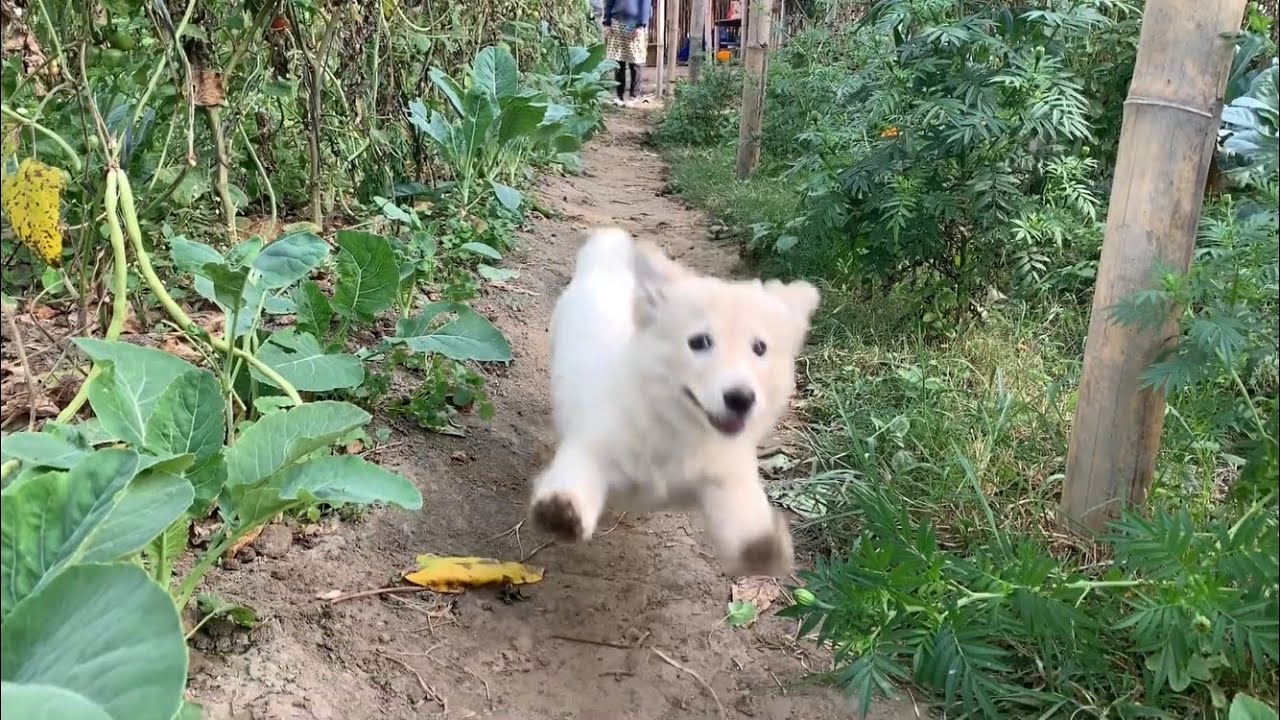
<point x="697" y="33"/>
<point x="659" y="27"/>
<point x="757" y="25"/>
<point x="1171" y="118"/>
<point x="673" y="45"/>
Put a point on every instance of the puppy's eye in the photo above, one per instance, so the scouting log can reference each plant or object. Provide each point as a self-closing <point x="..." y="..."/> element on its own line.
<point x="700" y="342"/>
<point x="758" y="347"/>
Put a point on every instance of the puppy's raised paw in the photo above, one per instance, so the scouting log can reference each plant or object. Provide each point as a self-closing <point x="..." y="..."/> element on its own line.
<point x="770" y="554"/>
<point x="559" y="517"/>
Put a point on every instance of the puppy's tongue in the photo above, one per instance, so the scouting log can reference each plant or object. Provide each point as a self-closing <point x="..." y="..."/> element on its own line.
<point x="728" y="425"/>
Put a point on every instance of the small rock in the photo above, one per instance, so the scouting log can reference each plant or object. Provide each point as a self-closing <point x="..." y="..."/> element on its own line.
<point x="275" y="540"/>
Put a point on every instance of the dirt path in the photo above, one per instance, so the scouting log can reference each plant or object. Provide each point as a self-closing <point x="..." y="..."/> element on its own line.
<point x="650" y="582"/>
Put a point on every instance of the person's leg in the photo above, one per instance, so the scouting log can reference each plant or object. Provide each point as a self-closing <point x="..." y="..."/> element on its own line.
<point x="620" y="75"/>
<point x="635" y="80"/>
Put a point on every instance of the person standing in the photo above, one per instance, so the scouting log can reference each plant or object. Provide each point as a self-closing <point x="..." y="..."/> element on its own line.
<point x="626" y="38"/>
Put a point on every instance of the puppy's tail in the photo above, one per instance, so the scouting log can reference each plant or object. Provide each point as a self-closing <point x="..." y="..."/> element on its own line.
<point x="607" y="250"/>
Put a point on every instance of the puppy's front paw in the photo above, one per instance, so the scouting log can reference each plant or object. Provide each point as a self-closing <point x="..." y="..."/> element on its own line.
<point x="769" y="554"/>
<point x="557" y="515"/>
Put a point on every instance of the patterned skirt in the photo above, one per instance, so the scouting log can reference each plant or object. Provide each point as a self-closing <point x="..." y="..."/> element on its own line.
<point x="626" y="46"/>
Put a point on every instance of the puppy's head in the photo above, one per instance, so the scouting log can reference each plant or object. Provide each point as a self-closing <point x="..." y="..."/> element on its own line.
<point x="729" y="348"/>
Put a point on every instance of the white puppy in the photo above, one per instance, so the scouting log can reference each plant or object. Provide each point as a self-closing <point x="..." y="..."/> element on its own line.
<point x="664" y="383"/>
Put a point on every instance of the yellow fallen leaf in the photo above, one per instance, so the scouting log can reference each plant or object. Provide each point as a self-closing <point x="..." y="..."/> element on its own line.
<point x="455" y="574"/>
<point x="30" y="199"/>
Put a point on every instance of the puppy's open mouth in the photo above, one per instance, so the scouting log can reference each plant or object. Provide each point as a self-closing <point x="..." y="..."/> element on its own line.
<point x="727" y="424"/>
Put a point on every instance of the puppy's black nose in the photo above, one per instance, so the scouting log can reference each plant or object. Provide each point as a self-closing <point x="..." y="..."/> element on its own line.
<point x="739" y="400"/>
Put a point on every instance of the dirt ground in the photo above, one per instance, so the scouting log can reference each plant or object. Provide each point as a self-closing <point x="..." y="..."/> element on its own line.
<point x="589" y="641"/>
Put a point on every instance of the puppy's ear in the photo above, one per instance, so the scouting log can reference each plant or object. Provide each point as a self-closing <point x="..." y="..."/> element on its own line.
<point x="799" y="297"/>
<point x="654" y="273"/>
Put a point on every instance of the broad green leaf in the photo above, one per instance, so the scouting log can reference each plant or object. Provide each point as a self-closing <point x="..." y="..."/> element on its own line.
<point x="245" y="507"/>
<point x="207" y="476"/>
<point x="42" y="449"/>
<point x="584" y="60"/>
<point x="345" y="479"/>
<point x="191" y="256"/>
<point x="245" y="253"/>
<point x="493" y="274"/>
<point x="1244" y="707"/>
<point x="299" y="358"/>
<point x="494" y="73"/>
<point x="282" y="438"/>
<point x="47" y="522"/>
<point x="481" y="249"/>
<point x="106" y="633"/>
<point x="508" y="197"/>
<point x="519" y="119"/>
<point x="447" y="87"/>
<point x="229" y="286"/>
<point x="368" y="275"/>
<point x="314" y="314"/>
<point x="151" y="503"/>
<point x="468" y="336"/>
<point x="289" y="259"/>
<point x="30" y="701"/>
<point x="188" y="417"/>
<point x="126" y="392"/>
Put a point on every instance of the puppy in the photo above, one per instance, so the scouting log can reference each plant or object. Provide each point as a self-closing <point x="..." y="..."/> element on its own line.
<point x="664" y="382"/>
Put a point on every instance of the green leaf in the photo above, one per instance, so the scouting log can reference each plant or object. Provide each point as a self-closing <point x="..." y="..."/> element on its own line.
<point x="151" y="503"/>
<point x="166" y="549"/>
<point x="1244" y="707"/>
<point x="508" y="197"/>
<point x="447" y="87"/>
<point x="125" y="393"/>
<point x="207" y="476"/>
<point x="368" y="275"/>
<point x="188" y="417"/>
<point x="469" y="336"/>
<point x="493" y="274"/>
<point x="481" y="249"/>
<point x="191" y="256"/>
<point x="42" y="449"/>
<point x="314" y="313"/>
<point x="46" y="702"/>
<point x="229" y="285"/>
<point x="494" y="73"/>
<point x="47" y="521"/>
<point x="106" y="633"/>
<point x="520" y="118"/>
<point x="289" y="259"/>
<point x="741" y="613"/>
<point x="241" y="615"/>
<point x="299" y="358"/>
<point x="282" y="438"/>
<point x="347" y="479"/>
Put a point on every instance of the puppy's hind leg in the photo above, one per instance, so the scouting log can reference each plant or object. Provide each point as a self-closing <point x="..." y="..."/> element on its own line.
<point x="751" y="537"/>
<point x="569" y="495"/>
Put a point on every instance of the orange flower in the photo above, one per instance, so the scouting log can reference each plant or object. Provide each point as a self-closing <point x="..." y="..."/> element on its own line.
<point x="890" y="132"/>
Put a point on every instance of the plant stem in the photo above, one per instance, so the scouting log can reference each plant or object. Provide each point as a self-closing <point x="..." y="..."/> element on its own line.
<point x="72" y="156"/>
<point x="173" y="309"/>
<point x="207" y="561"/>
<point x="119" y="289"/>
<point x="266" y="179"/>
<point x="213" y="114"/>
<point x="161" y="63"/>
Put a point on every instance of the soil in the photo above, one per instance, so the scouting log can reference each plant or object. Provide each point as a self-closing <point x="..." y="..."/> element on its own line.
<point x="626" y="627"/>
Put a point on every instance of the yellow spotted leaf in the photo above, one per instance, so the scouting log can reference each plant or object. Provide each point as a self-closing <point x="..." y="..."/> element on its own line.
<point x="31" y="198"/>
<point x="455" y="574"/>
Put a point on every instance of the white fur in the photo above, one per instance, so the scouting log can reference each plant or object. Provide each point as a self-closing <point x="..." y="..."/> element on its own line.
<point x="642" y="419"/>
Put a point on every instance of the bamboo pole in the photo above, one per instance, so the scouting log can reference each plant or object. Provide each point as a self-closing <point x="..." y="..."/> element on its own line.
<point x="697" y="35"/>
<point x="1171" y="118"/>
<point x="659" y="28"/>
<point x="673" y="44"/>
<point x="757" y="25"/>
